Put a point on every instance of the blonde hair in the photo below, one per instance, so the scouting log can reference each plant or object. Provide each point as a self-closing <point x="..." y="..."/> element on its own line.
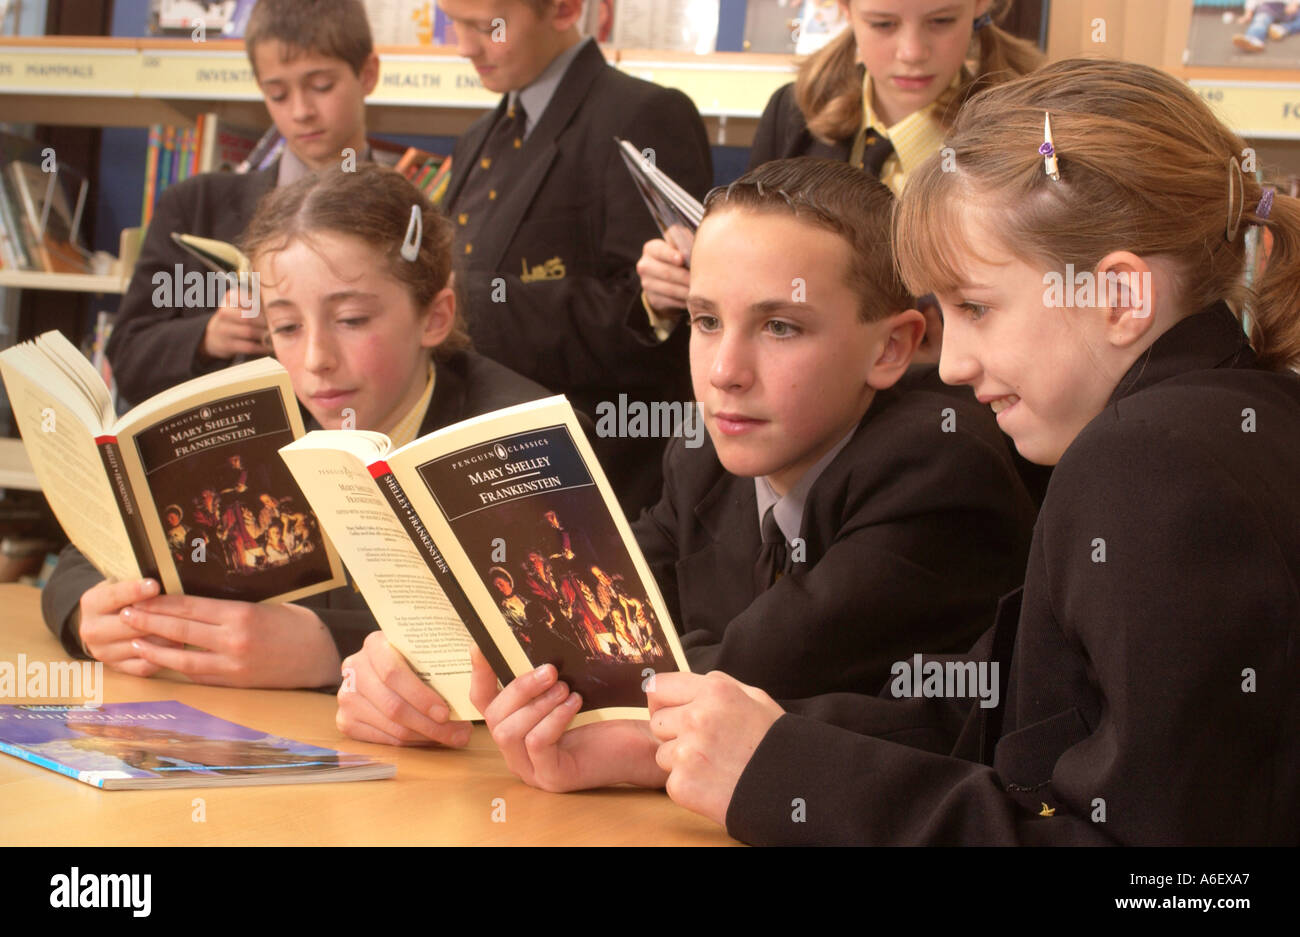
<point x="1145" y="167"/>
<point x="828" y="88"/>
<point x="373" y="205"/>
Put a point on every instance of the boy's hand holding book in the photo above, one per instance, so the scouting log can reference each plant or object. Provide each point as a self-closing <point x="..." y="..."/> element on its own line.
<point x="382" y="700"/>
<point x="528" y="721"/>
<point x="709" y="727"/>
<point x="665" y="279"/>
<point x="231" y="331"/>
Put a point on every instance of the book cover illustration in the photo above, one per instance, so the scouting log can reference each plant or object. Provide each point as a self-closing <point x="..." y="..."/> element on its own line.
<point x="567" y="586"/>
<point x="166" y="744"/>
<point x="236" y="521"/>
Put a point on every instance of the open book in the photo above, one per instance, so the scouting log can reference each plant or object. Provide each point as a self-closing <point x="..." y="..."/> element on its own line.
<point x="147" y="746"/>
<point x="675" y="211"/>
<point x="187" y="488"/>
<point x="500" y="529"/>
<point x="217" y="256"/>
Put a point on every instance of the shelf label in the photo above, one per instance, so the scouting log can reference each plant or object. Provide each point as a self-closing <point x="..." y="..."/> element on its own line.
<point x="744" y="89"/>
<point x="442" y="81"/>
<point x="1254" y="110"/>
<point x="220" y="75"/>
<point x="59" y="71"/>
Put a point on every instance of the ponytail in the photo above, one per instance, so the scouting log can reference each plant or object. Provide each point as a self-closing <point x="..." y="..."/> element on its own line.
<point x="828" y="89"/>
<point x="1275" y="315"/>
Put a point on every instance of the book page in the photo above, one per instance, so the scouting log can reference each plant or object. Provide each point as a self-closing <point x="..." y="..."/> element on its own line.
<point x="520" y="509"/>
<point x="222" y="510"/>
<point x="68" y="466"/>
<point x="416" y="616"/>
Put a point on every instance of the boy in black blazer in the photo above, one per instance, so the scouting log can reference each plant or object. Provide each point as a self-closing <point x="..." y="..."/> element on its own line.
<point x="549" y="223"/>
<point x="314" y="64"/>
<point x="835" y="521"/>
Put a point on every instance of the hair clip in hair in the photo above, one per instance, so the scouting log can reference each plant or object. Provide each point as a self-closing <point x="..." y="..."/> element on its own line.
<point x="984" y="19"/>
<point x="1237" y="196"/>
<point x="414" y="235"/>
<point x="1265" y="205"/>
<point x="1049" y="151"/>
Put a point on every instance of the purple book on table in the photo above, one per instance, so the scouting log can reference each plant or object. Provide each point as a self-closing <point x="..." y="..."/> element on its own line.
<point x="140" y="746"/>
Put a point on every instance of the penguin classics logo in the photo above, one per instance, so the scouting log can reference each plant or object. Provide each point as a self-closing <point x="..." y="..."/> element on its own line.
<point x="75" y="890"/>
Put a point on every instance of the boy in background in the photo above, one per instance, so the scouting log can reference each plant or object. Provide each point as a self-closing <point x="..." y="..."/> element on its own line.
<point x="314" y="63"/>
<point x="549" y="223"/>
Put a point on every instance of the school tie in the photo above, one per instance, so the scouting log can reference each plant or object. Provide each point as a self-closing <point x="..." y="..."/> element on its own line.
<point x="500" y="152"/>
<point x="774" y="557"/>
<point x="877" y="148"/>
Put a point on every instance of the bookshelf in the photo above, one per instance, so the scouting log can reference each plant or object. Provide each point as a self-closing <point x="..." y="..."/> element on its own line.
<point x="69" y="282"/>
<point x="109" y="82"/>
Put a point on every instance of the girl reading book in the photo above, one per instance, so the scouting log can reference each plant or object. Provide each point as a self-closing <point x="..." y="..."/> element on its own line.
<point x="357" y="291"/>
<point x="879" y="97"/>
<point x="1089" y="254"/>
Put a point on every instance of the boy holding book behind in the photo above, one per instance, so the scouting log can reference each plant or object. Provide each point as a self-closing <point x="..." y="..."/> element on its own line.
<point x="314" y="63"/>
<point x="549" y="224"/>
<point x="834" y="525"/>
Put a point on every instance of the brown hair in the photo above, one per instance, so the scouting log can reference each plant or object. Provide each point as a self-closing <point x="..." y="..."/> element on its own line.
<point x="337" y="29"/>
<point x="839" y="198"/>
<point x="828" y="88"/>
<point x="373" y="205"/>
<point x="1144" y="167"/>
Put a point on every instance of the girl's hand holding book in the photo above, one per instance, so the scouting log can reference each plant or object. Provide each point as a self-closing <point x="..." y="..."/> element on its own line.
<point x="105" y="633"/>
<point x="230" y="643"/>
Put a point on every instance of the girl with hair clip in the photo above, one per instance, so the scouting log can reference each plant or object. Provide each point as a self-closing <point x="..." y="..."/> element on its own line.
<point x="879" y="96"/>
<point x="355" y="276"/>
<point x="1149" y="677"/>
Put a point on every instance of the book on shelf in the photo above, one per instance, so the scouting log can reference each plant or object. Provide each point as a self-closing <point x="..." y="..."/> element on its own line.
<point x="408" y="23"/>
<point x="673" y="25"/>
<point x="41" y="205"/>
<point x="187" y="488"/>
<point x="264" y="151"/>
<point x="166" y="744"/>
<point x="772" y="26"/>
<point x="428" y="172"/>
<point x="676" y="212"/>
<point x="501" y="530"/>
<point x="819" y="23"/>
<point x="172" y="16"/>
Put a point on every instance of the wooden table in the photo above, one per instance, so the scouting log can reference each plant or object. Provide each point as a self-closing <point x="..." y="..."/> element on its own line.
<point x="438" y="796"/>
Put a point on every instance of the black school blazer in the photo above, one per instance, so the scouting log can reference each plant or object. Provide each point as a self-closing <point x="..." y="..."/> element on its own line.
<point x="1152" y="698"/>
<point x="911" y="534"/>
<point x="574" y="199"/>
